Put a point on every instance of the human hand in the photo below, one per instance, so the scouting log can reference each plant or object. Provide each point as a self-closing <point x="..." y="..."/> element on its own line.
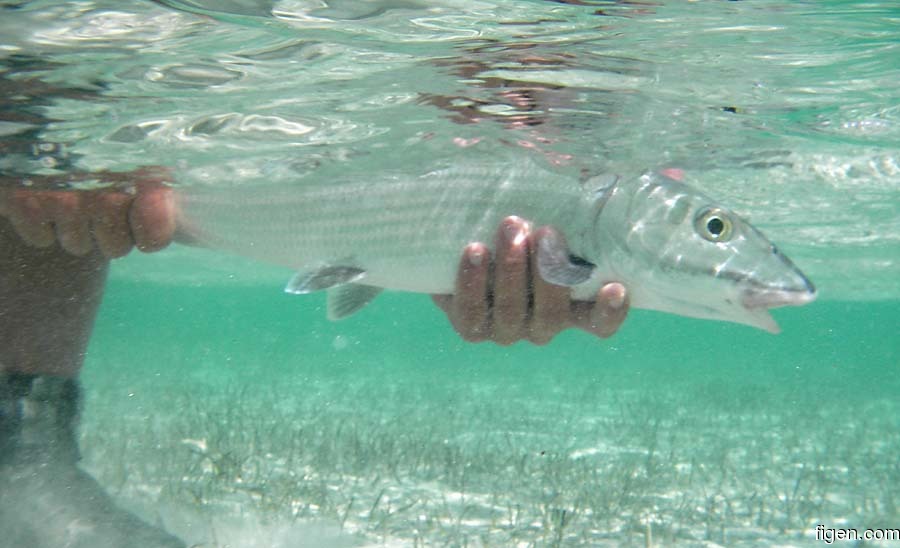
<point x="505" y="300"/>
<point x="111" y="220"/>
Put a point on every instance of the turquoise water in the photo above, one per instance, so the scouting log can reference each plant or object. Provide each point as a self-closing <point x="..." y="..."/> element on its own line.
<point x="238" y="416"/>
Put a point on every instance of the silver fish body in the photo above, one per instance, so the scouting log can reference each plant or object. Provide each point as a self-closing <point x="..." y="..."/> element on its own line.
<point x="407" y="233"/>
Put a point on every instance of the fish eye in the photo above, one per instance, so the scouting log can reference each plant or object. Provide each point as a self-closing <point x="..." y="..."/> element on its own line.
<point x="714" y="225"/>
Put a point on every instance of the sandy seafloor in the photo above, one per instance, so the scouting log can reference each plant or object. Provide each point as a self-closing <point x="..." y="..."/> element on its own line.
<point x="236" y="415"/>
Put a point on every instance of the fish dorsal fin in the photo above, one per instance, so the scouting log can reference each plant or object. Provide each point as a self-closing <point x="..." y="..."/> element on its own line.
<point x="558" y="266"/>
<point x="346" y="300"/>
<point x="323" y="277"/>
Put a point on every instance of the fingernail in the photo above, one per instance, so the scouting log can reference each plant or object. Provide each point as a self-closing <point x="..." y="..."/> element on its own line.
<point x="516" y="231"/>
<point x="617" y="302"/>
<point x="616" y="296"/>
<point x="475" y="255"/>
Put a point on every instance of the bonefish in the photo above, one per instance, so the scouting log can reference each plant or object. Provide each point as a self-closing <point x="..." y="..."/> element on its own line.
<point x="675" y="249"/>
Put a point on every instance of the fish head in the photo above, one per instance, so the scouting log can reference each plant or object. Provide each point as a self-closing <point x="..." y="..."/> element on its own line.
<point x="691" y="256"/>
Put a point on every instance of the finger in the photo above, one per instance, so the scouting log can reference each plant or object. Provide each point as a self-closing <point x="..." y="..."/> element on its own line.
<point x="469" y="308"/>
<point x="510" y="282"/>
<point x="72" y="222"/>
<point x="444" y="302"/>
<point x="31" y="218"/>
<point x="152" y="217"/>
<point x="551" y="303"/>
<point x="109" y="223"/>
<point x="604" y="316"/>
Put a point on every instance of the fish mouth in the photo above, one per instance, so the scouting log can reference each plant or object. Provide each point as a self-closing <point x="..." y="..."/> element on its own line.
<point x="758" y="300"/>
<point x="765" y="298"/>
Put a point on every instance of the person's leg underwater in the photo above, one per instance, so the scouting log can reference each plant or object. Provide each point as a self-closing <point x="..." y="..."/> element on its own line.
<point x="48" y="301"/>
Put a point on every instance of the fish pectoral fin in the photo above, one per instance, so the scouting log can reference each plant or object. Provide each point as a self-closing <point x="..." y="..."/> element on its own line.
<point x="346" y="300"/>
<point x="599" y="185"/>
<point x="557" y="265"/>
<point x="323" y="277"/>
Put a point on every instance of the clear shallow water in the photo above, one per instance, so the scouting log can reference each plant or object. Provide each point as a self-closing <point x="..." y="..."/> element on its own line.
<point x="790" y="112"/>
<point x="250" y="419"/>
